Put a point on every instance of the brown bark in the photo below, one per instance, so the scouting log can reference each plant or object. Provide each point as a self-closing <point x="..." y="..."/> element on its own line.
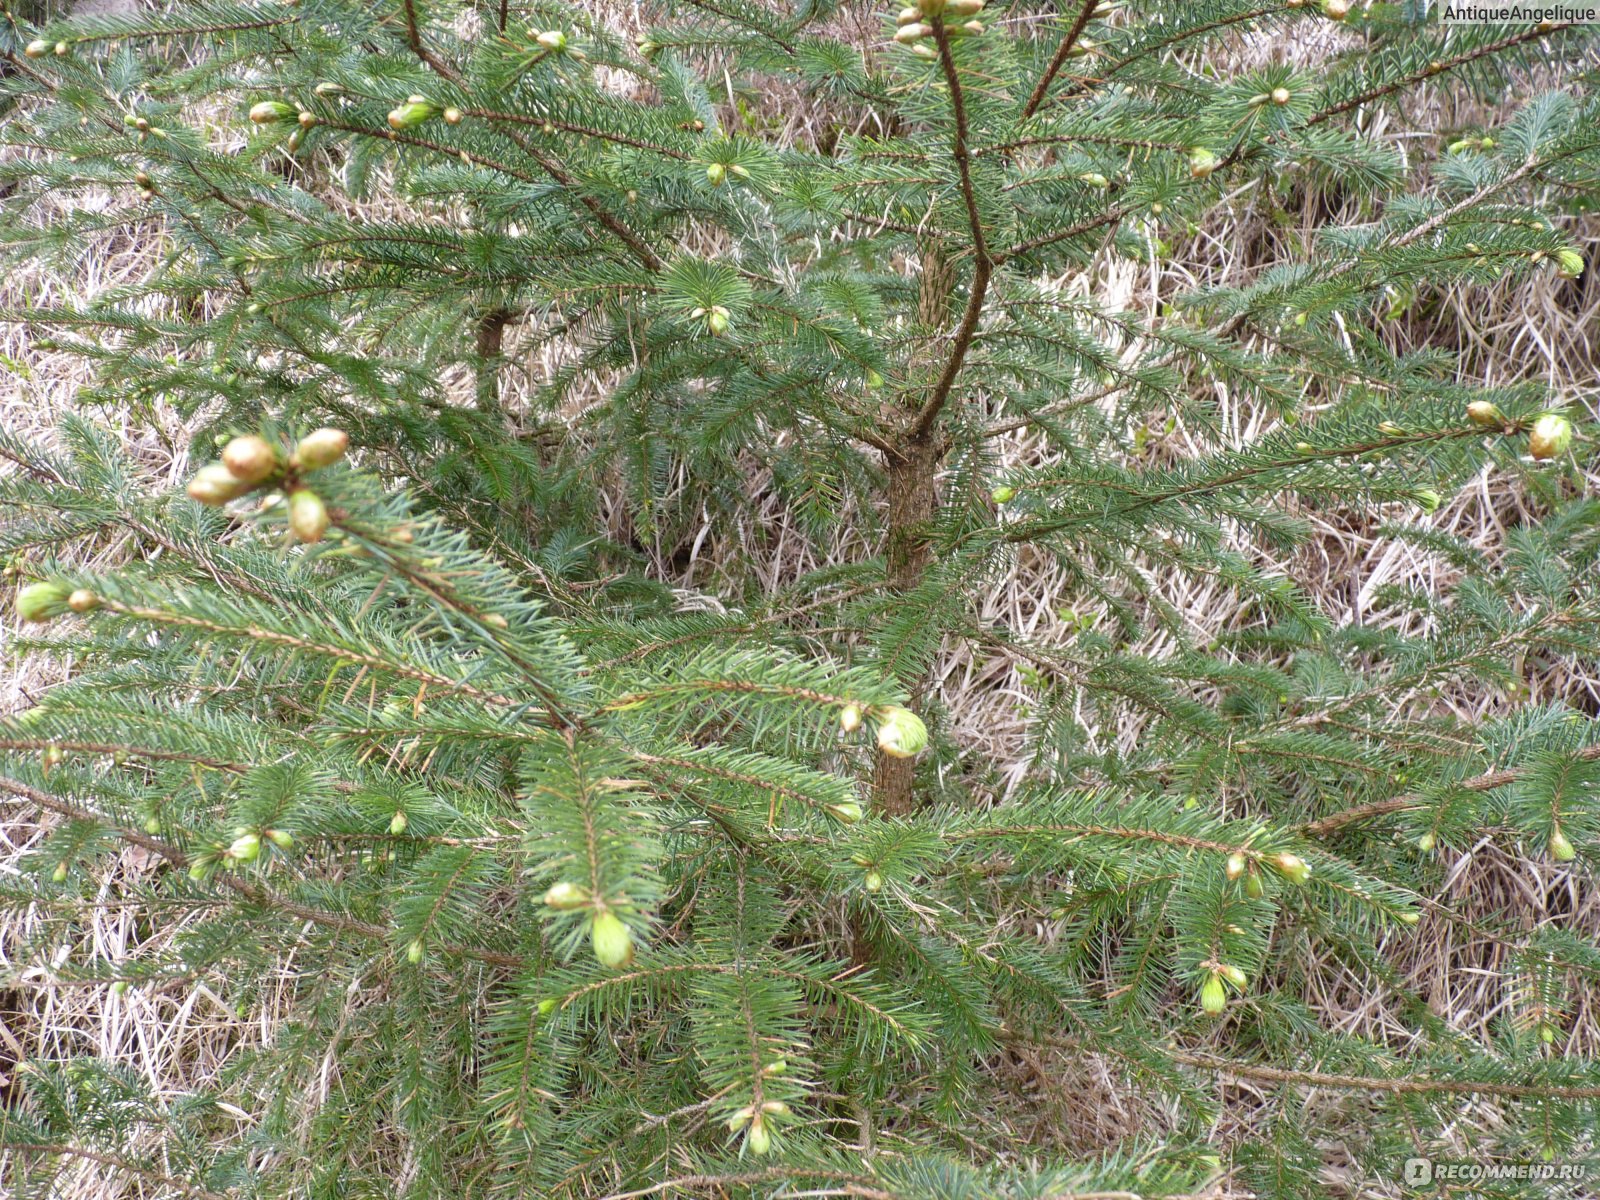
<point x="491" y="340"/>
<point x="912" y="468"/>
<point x="907" y="554"/>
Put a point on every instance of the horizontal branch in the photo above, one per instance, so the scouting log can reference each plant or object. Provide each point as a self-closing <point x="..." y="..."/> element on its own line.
<point x="1379" y="808"/>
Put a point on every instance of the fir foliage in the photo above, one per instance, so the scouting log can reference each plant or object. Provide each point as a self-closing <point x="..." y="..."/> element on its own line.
<point x="587" y="895"/>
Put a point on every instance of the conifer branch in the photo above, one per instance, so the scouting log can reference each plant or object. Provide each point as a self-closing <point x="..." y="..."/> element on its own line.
<point x="132" y="751"/>
<point x="1402" y="1086"/>
<point x="253" y="892"/>
<point x="983" y="264"/>
<point x="1172" y="39"/>
<point x="414" y="40"/>
<point x="619" y="139"/>
<point x="256" y="633"/>
<point x="1486" y="782"/>
<point x="115" y="1162"/>
<point x="1059" y="59"/>
<point x="1435" y="68"/>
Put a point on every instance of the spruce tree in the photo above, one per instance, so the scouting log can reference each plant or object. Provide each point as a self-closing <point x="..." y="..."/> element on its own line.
<point x="583" y="892"/>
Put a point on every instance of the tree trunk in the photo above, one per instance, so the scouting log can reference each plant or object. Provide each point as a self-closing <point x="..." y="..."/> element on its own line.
<point x="491" y="338"/>
<point x="911" y="504"/>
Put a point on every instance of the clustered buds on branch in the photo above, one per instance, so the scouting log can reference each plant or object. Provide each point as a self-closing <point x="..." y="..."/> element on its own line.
<point x="609" y="935"/>
<point x="250" y="461"/>
<point x="914" y="27"/>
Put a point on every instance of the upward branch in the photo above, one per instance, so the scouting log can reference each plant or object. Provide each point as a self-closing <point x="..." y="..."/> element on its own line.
<point x="1063" y="52"/>
<point x="983" y="269"/>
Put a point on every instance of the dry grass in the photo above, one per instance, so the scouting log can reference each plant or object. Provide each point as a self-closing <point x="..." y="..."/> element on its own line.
<point x="181" y="1034"/>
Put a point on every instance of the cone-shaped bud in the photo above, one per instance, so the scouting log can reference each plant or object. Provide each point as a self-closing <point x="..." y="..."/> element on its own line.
<point x="152" y="824"/>
<point x="907" y="34"/>
<point x="59" y="875"/>
<point x="1485" y="413"/>
<point x="214" y="484"/>
<point x="1409" y="918"/>
<point x="716" y="174"/>
<point x="1560" y="848"/>
<point x="1234" y="975"/>
<point x="41" y="601"/>
<point x="776" y="1067"/>
<point x="1094" y="179"/>
<point x="1547" y="1032"/>
<point x="269" y="112"/>
<point x="281" y="838"/>
<point x="452" y="116"/>
<point x="1569" y="264"/>
<point x="552" y="40"/>
<point x="908" y="16"/>
<point x="321" y="448"/>
<point x="1336" y="10"/>
<point x="328" y="88"/>
<point x="1552" y="434"/>
<point x="1003" y="494"/>
<point x="850" y="718"/>
<point x="1236" y="865"/>
<point x="931" y="8"/>
<point x="83" y="600"/>
<point x="927" y="53"/>
<point x="246" y="847"/>
<point x="613" y="943"/>
<point x="872" y="881"/>
<point x="119" y="988"/>
<point x="758" y="1139"/>
<point x="1254" y="886"/>
<point x="414" y="951"/>
<point x="411" y="114"/>
<point x="565" y="897"/>
<point x="397" y="824"/>
<point x="1427" y="499"/>
<point x="1427" y="842"/>
<point x="717" y="321"/>
<point x="961" y="9"/>
<point x="1292" y="867"/>
<point x="1213" y="995"/>
<point x="250" y="458"/>
<point x="1202" y="162"/>
<point x="308" y="516"/>
<point x="848" y="811"/>
<point x="547" y="1006"/>
<point x="38" y="48"/>
<point x="901" y="733"/>
<point x="1281" y="96"/>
